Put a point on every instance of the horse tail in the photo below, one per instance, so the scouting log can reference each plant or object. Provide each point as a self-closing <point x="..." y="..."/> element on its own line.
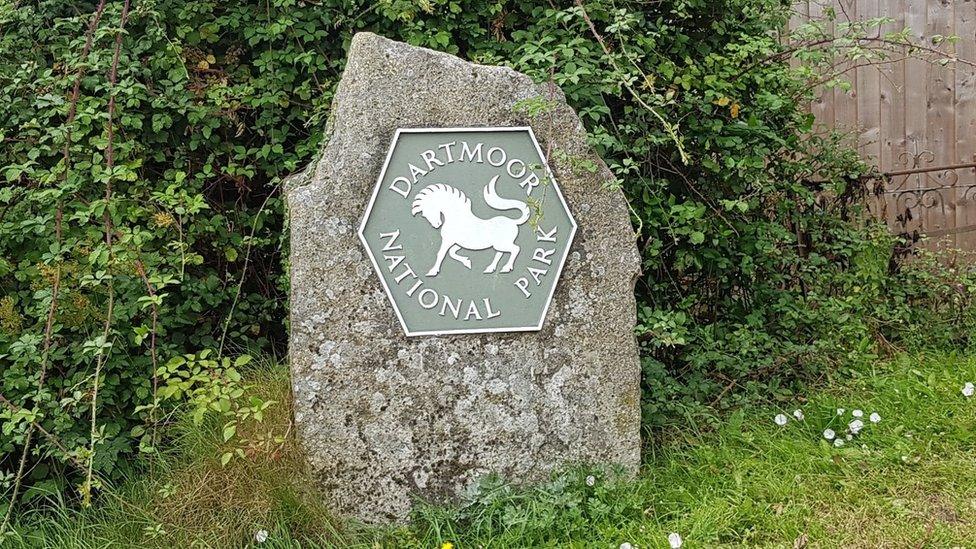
<point x="499" y="203"/>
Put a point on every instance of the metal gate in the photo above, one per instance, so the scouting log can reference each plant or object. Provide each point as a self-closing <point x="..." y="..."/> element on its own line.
<point x="913" y="119"/>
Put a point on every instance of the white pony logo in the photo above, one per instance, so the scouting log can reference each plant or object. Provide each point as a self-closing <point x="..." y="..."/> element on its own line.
<point x="449" y="210"/>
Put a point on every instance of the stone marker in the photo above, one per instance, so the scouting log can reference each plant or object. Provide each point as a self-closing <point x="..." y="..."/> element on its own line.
<point x="461" y="286"/>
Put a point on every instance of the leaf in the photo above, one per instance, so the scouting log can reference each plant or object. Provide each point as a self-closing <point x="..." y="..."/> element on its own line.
<point x="229" y="431"/>
<point x="225" y="458"/>
<point x="697" y="237"/>
<point x="13" y="173"/>
<point x="223" y="405"/>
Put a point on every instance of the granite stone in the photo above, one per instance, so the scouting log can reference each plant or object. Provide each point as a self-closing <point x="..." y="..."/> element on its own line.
<point x="385" y="419"/>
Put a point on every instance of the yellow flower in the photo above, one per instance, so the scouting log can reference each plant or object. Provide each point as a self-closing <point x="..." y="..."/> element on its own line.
<point x="447" y="545"/>
<point x="163" y="219"/>
<point x="734" y="110"/>
<point x="10" y="321"/>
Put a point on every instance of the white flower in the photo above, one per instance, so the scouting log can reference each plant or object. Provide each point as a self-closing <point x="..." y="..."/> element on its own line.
<point x="674" y="539"/>
<point x="590" y="480"/>
<point x="855" y="426"/>
<point x="857" y="413"/>
<point x="780" y="419"/>
<point x="968" y="389"/>
<point x="626" y="545"/>
<point x="875" y="418"/>
<point x="261" y="536"/>
<point x="840" y="411"/>
<point x="838" y="442"/>
<point x="829" y="434"/>
<point x="798" y="414"/>
<point x="849" y="436"/>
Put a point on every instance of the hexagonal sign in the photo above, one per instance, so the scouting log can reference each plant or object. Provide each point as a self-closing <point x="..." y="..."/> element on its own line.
<point x="467" y="230"/>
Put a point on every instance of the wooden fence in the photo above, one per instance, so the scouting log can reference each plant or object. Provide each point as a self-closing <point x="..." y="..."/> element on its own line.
<point x="914" y="119"/>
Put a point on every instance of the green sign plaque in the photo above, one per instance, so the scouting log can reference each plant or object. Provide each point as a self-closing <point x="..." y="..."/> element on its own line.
<point x="467" y="230"/>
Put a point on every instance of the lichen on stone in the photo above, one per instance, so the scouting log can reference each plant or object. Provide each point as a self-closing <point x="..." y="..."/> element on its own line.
<point x="384" y="418"/>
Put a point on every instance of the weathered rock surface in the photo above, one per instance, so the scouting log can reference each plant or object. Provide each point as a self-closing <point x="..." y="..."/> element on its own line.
<point x="384" y="418"/>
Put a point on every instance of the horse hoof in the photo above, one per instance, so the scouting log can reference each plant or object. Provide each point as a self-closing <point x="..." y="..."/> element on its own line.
<point x="506" y="269"/>
<point x="432" y="272"/>
<point x="489" y="270"/>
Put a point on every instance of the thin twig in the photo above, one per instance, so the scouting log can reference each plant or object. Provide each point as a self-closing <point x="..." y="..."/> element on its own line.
<point x="668" y="127"/>
<point x="247" y="257"/>
<point x="56" y="285"/>
<point x="47" y="434"/>
<point x="152" y="345"/>
<point x="847" y="43"/>
<point x="107" y="223"/>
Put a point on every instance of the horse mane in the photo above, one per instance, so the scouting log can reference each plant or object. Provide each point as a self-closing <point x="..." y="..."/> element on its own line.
<point x="438" y="192"/>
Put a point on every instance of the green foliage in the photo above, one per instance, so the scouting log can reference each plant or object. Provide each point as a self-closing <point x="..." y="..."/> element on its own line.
<point x="191" y="497"/>
<point x="750" y="482"/>
<point x="198" y="148"/>
<point x="208" y="386"/>
<point x="932" y="300"/>
<point x="904" y="482"/>
<point x="756" y="270"/>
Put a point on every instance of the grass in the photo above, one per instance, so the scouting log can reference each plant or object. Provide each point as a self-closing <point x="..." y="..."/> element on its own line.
<point x="908" y="481"/>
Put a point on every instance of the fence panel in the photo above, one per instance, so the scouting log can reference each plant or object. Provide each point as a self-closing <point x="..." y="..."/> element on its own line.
<point x="913" y="114"/>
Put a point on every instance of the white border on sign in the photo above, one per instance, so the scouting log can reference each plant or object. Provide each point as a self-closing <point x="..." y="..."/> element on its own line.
<point x="377" y="271"/>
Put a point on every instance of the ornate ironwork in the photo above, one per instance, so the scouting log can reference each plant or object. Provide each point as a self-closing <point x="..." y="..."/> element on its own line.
<point x="917" y="186"/>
